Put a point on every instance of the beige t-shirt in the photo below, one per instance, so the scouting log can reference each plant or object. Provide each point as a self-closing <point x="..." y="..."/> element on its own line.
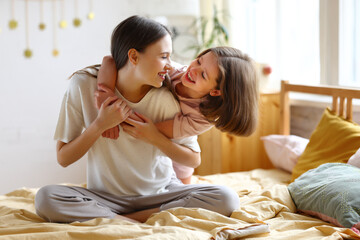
<point x="126" y="166"/>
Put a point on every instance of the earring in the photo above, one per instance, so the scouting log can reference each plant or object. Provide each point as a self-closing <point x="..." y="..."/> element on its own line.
<point x="215" y="92"/>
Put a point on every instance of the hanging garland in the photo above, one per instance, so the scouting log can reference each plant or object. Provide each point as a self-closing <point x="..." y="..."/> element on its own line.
<point x="55" y="51"/>
<point x="42" y="25"/>
<point x="77" y="20"/>
<point x="91" y="14"/>
<point x="63" y="22"/>
<point x="27" y="52"/>
<point x="13" y="23"/>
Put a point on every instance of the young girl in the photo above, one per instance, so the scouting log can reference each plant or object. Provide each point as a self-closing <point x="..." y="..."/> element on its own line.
<point x="218" y="88"/>
<point x="132" y="176"/>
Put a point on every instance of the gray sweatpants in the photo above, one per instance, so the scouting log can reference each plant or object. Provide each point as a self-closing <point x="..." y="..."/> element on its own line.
<point x="58" y="203"/>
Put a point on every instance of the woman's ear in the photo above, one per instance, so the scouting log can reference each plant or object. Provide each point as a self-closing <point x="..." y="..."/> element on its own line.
<point x="215" y="92"/>
<point x="133" y="56"/>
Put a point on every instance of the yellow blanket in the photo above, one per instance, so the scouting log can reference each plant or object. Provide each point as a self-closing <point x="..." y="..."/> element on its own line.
<point x="266" y="212"/>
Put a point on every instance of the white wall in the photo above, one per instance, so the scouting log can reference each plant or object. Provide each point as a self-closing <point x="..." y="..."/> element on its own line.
<point x="31" y="89"/>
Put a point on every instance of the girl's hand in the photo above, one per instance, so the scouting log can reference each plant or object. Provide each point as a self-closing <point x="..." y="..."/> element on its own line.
<point x="112" y="133"/>
<point x="135" y="116"/>
<point x="112" y="112"/>
<point x="144" y="130"/>
<point x="102" y="94"/>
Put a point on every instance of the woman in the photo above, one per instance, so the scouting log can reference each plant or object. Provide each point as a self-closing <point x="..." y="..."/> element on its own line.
<point x="127" y="177"/>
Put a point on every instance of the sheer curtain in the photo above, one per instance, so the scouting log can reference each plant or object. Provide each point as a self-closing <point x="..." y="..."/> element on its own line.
<point x="349" y="62"/>
<point x="281" y="33"/>
<point x="304" y="41"/>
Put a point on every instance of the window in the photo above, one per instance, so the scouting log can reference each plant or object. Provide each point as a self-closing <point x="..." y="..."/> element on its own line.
<point x="304" y="41"/>
<point x="349" y="62"/>
<point x="281" y="33"/>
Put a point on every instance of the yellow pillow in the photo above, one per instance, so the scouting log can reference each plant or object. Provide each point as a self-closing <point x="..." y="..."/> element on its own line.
<point x="334" y="140"/>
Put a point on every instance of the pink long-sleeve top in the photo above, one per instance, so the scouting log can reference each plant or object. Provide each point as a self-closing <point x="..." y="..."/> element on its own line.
<point x="190" y="121"/>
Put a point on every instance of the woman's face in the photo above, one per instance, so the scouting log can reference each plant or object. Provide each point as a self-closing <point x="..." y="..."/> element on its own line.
<point x="200" y="77"/>
<point x="154" y="62"/>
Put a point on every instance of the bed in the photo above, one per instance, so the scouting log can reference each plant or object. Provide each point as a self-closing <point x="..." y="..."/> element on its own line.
<point x="267" y="207"/>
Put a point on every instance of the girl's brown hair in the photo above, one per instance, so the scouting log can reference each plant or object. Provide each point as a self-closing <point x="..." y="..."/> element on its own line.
<point x="236" y="110"/>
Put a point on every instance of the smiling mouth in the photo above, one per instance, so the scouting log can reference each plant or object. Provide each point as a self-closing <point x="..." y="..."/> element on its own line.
<point x="162" y="75"/>
<point x="188" y="77"/>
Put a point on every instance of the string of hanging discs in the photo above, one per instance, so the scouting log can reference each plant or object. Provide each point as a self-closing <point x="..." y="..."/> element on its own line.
<point x="42" y="25"/>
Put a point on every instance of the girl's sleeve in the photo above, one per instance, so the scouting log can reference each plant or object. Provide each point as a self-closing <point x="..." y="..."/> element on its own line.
<point x="189" y="125"/>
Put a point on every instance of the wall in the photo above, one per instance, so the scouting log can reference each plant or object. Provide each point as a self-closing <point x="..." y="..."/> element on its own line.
<point x="32" y="89"/>
<point x="311" y="114"/>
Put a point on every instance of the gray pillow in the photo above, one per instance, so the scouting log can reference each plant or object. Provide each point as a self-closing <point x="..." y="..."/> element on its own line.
<point x="330" y="192"/>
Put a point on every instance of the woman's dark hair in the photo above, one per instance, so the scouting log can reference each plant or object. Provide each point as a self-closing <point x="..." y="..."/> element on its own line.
<point x="134" y="32"/>
<point x="236" y="110"/>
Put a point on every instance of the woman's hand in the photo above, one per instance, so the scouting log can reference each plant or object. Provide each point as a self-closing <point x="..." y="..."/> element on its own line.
<point x="113" y="133"/>
<point x="148" y="132"/>
<point x="113" y="111"/>
<point x="101" y="95"/>
<point x="142" y="128"/>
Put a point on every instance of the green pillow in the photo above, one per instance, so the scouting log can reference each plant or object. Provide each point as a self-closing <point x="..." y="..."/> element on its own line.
<point x="334" y="140"/>
<point x="331" y="193"/>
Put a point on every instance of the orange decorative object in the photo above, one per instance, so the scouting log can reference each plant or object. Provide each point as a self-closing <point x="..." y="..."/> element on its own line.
<point x="267" y="70"/>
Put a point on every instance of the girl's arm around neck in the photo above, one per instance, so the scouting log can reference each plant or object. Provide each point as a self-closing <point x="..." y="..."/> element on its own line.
<point x="106" y="80"/>
<point x="166" y="127"/>
<point x="107" y="73"/>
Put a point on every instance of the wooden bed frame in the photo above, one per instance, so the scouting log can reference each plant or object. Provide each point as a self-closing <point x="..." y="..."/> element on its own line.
<point x="341" y="101"/>
<point x="222" y="152"/>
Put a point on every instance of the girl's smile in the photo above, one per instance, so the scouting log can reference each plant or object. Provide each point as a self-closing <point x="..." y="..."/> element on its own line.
<point x="200" y="77"/>
<point x="188" y="77"/>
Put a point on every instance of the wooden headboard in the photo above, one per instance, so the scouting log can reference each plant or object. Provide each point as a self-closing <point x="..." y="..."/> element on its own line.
<point x="341" y="101"/>
<point x="222" y="152"/>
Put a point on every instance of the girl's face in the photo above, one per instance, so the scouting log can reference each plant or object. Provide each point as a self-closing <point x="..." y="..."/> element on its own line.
<point x="200" y="77"/>
<point x="154" y="62"/>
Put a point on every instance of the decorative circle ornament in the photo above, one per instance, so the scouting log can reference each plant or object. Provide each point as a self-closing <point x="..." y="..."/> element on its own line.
<point x="55" y="52"/>
<point x="13" y="24"/>
<point x="42" y="26"/>
<point x="77" y="22"/>
<point x="63" y="24"/>
<point x="91" y="16"/>
<point x="28" y="53"/>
